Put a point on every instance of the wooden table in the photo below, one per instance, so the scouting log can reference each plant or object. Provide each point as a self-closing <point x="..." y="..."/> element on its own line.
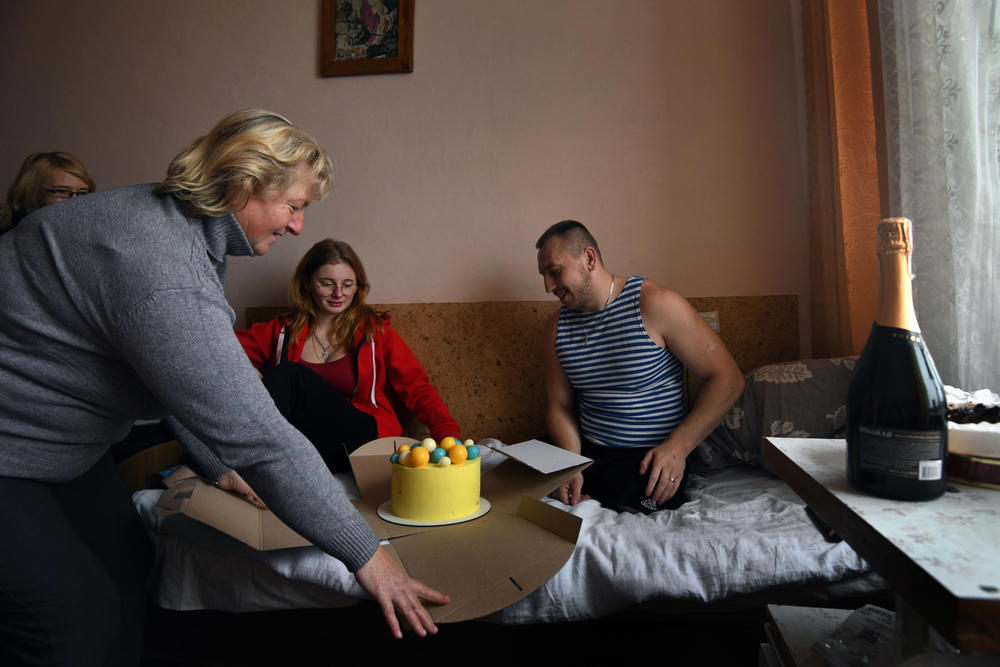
<point x="942" y="557"/>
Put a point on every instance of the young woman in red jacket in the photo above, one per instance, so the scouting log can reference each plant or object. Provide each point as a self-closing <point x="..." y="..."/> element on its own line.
<point x="332" y="363"/>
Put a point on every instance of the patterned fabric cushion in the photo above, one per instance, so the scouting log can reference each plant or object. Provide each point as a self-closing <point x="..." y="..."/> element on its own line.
<point x="794" y="399"/>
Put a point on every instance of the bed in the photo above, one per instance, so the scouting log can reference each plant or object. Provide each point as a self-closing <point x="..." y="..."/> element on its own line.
<point x="744" y="538"/>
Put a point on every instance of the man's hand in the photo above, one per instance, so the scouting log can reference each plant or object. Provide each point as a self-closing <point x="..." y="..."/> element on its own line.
<point x="571" y="492"/>
<point x="665" y="464"/>
<point x="396" y="593"/>
<point x="233" y="483"/>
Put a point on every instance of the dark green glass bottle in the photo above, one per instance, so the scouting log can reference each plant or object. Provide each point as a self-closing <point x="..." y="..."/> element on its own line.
<point x="897" y="429"/>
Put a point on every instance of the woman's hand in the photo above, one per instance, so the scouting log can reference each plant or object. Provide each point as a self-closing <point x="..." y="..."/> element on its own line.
<point x="233" y="483"/>
<point x="398" y="594"/>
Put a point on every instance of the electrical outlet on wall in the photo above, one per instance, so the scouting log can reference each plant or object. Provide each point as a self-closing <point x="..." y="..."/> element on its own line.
<point x="711" y="317"/>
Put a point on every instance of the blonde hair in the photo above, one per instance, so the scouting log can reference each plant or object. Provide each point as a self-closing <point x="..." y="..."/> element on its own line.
<point x="27" y="192"/>
<point x="250" y="152"/>
<point x="303" y="311"/>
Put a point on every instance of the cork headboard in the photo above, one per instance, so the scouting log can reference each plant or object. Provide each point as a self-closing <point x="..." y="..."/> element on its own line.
<point x="485" y="357"/>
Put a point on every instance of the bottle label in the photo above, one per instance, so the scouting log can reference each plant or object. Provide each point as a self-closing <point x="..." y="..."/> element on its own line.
<point x="910" y="454"/>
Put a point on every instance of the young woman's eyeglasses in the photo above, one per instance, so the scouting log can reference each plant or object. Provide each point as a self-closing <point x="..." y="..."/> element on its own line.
<point x="66" y="193"/>
<point x="347" y="287"/>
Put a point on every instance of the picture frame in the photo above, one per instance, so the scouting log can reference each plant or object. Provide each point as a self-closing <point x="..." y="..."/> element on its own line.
<point x="366" y="37"/>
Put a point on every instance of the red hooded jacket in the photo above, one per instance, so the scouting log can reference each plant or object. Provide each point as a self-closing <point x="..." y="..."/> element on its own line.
<point x="384" y="365"/>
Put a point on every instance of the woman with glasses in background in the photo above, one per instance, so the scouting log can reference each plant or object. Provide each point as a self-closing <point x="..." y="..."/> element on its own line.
<point x="43" y="179"/>
<point x="333" y="366"/>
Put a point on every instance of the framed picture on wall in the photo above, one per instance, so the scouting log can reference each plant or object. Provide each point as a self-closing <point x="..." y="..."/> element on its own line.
<point x="366" y="37"/>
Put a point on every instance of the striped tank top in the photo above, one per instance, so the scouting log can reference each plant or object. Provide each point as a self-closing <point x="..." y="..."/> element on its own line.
<point x="629" y="391"/>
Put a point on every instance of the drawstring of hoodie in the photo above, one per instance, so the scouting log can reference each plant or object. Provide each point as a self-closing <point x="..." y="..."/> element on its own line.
<point x="375" y="372"/>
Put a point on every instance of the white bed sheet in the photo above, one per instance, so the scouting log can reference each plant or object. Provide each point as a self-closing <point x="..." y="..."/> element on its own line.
<point x="743" y="533"/>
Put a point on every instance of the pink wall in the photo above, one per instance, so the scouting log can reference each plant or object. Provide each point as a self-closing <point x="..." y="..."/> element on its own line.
<point x="674" y="129"/>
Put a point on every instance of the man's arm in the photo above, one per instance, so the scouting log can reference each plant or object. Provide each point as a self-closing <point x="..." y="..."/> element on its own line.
<point x="671" y="321"/>
<point x="560" y="410"/>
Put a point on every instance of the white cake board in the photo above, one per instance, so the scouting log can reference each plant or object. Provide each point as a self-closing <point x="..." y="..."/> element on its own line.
<point x="384" y="512"/>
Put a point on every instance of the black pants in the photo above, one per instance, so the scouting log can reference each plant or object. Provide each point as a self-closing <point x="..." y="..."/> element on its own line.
<point x="613" y="480"/>
<point x="73" y="570"/>
<point x="334" y="426"/>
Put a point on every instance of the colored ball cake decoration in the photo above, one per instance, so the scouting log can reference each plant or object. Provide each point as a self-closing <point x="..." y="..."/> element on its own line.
<point x="434" y="482"/>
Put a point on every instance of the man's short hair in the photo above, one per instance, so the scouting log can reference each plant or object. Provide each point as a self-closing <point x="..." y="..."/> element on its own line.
<point x="574" y="234"/>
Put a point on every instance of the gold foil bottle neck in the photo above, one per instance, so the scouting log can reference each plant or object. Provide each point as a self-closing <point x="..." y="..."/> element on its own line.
<point x="894" y="235"/>
<point x="895" y="295"/>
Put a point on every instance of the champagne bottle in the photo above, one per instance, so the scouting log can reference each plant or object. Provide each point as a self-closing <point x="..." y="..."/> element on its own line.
<point x="897" y="429"/>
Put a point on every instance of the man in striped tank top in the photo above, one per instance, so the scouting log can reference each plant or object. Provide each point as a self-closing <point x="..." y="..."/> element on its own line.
<point x="615" y="354"/>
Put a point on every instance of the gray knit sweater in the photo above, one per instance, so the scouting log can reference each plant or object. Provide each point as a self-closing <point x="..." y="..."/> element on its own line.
<point x="112" y="309"/>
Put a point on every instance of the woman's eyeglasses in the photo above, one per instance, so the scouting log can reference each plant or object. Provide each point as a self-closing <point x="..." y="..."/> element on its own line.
<point x="347" y="287"/>
<point x="66" y="193"/>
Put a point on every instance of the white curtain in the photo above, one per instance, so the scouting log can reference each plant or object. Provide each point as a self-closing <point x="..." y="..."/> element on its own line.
<point x="941" y="77"/>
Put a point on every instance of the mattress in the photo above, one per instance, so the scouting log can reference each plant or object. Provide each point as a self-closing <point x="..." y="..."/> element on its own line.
<point x="744" y="536"/>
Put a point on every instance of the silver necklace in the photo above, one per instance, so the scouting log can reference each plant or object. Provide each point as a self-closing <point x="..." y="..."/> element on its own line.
<point x="325" y="353"/>
<point x="604" y="311"/>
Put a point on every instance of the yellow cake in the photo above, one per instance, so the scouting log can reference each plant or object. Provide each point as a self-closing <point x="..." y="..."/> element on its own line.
<point x="435" y="484"/>
<point x="433" y="493"/>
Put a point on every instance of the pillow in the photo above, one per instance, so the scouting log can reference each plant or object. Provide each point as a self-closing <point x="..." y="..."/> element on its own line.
<point x="793" y="399"/>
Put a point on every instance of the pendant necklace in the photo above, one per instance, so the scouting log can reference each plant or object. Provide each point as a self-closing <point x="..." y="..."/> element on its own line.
<point x="586" y="334"/>
<point x="325" y="353"/>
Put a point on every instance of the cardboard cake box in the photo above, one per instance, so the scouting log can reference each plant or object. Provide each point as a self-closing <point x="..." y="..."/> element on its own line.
<point x="483" y="565"/>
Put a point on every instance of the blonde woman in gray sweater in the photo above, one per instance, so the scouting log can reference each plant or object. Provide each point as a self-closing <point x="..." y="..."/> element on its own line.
<point x="112" y="309"/>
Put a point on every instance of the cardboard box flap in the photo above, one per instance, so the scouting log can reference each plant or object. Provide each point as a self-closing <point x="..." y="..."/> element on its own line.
<point x="543" y="457"/>
<point x="370" y="464"/>
<point x="525" y="578"/>
<point x="258" y="528"/>
<point x="170" y="500"/>
<point x="556" y="521"/>
<point x="384" y="530"/>
<point x="489" y="563"/>
<point x="371" y="468"/>
<point x="510" y="481"/>
<point x="181" y="474"/>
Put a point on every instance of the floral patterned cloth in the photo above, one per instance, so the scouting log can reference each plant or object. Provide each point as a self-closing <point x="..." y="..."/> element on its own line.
<point x="794" y="399"/>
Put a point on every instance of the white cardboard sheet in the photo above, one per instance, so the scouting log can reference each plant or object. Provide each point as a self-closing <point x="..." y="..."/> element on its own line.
<point x="542" y="456"/>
